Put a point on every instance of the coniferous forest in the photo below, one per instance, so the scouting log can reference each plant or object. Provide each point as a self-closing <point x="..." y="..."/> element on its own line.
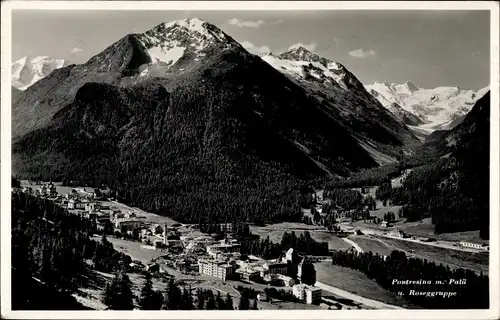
<point x="303" y="244"/>
<point x="50" y="251"/>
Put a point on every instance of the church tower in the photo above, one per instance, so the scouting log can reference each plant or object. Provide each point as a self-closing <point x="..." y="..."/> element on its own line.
<point x="165" y="233"/>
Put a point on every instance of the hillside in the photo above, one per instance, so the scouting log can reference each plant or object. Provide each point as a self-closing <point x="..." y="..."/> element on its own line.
<point x="217" y="128"/>
<point x="343" y="97"/>
<point x="454" y="189"/>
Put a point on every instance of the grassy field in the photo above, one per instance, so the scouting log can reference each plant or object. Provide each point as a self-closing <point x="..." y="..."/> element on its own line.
<point x="134" y="249"/>
<point x="276" y="231"/>
<point x="426" y="229"/>
<point x="453" y="258"/>
<point x="370" y="244"/>
<point x="148" y="217"/>
<point x="421" y="229"/>
<point x="355" y="282"/>
<point x="471" y="236"/>
<point x="381" y="210"/>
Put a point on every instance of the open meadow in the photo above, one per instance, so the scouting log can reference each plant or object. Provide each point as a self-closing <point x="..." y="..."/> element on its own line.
<point x="355" y="282"/>
<point x="368" y="244"/>
<point x="453" y="258"/>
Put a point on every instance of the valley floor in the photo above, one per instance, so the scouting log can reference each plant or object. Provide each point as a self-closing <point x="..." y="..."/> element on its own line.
<point x="349" y="289"/>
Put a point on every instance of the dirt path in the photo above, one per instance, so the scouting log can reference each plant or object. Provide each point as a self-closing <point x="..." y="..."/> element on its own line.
<point x="354" y="244"/>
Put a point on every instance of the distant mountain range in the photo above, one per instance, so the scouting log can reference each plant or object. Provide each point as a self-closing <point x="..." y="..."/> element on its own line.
<point x="422" y="110"/>
<point x="426" y="110"/>
<point x="342" y="96"/>
<point x="28" y="70"/>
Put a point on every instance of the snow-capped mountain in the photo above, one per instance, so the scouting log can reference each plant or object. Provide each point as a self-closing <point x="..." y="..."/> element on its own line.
<point x="303" y="64"/>
<point x="166" y="49"/>
<point x="186" y="85"/>
<point x="26" y="71"/>
<point x="426" y="110"/>
<point x="345" y="98"/>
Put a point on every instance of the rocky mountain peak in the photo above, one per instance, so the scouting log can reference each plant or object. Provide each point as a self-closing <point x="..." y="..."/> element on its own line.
<point x="175" y="37"/>
<point x="300" y="53"/>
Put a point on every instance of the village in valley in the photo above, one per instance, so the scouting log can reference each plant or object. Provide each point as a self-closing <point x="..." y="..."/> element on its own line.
<point x="168" y="249"/>
<point x="212" y="258"/>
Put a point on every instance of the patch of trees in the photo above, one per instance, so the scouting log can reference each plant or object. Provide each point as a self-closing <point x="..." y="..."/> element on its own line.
<point x="105" y="258"/>
<point x="474" y="294"/>
<point x="118" y="295"/>
<point x="248" y="299"/>
<point x="367" y="177"/>
<point x="150" y="299"/>
<point x="15" y="183"/>
<point x="174" y="297"/>
<point x="308" y="274"/>
<point x="303" y="244"/>
<point x="390" y="217"/>
<point x="383" y="192"/>
<point x="280" y="294"/>
<point x="248" y="292"/>
<point x="206" y="300"/>
<point x="29" y="293"/>
<point x="47" y="243"/>
<point x="345" y="198"/>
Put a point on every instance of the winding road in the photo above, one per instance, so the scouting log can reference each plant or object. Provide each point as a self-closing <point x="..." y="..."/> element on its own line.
<point x="354" y="244"/>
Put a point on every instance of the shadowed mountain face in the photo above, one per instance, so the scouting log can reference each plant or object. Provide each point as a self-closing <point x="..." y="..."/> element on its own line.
<point x="344" y="97"/>
<point x="454" y="187"/>
<point x="182" y="118"/>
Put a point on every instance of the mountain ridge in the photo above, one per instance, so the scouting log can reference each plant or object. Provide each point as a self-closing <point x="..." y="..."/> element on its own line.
<point x="344" y="97"/>
<point x="426" y="110"/>
<point x="28" y="70"/>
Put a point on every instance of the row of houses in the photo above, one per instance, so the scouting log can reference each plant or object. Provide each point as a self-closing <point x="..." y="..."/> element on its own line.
<point x="48" y="190"/>
<point x="477" y="246"/>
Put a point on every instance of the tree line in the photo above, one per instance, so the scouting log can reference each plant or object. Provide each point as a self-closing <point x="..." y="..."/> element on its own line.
<point x="118" y="296"/>
<point x="303" y="244"/>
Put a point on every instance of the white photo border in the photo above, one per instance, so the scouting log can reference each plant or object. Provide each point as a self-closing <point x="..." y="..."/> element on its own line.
<point x="494" y="267"/>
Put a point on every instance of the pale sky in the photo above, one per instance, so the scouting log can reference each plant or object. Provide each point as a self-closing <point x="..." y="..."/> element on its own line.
<point x="428" y="48"/>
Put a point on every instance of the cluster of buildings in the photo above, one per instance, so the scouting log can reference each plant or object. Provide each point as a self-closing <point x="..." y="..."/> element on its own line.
<point x="186" y="251"/>
<point x="397" y="234"/>
<point x="83" y="201"/>
<point x="45" y="190"/>
<point x="477" y="246"/>
<point x="223" y="261"/>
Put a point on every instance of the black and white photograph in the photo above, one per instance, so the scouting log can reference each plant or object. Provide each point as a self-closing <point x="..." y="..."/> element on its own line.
<point x="256" y="160"/>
